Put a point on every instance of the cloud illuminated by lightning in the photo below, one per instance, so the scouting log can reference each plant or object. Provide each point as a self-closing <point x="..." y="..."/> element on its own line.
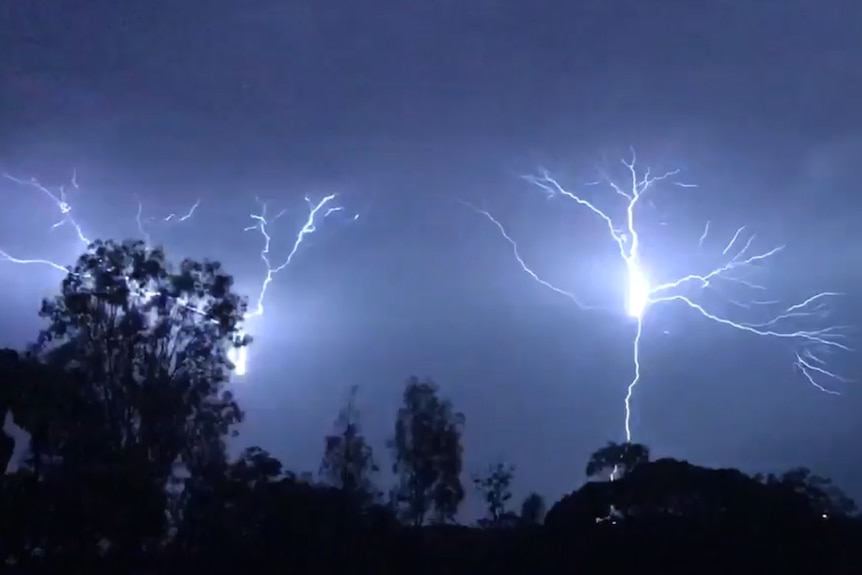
<point x="238" y="356"/>
<point x="642" y="294"/>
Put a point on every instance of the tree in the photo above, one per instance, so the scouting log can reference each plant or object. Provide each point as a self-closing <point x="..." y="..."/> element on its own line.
<point x="618" y="458"/>
<point x="9" y="373"/>
<point x="7" y="448"/>
<point x="152" y="345"/>
<point x="495" y="488"/>
<point x="427" y="455"/>
<point x="143" y="350"/>
<point x="348" y="460"/>
<point x="225" y="505"/>
<point x="824" y="497"/>
<point x="255" y="465"/>
<point x="533" y="509"/>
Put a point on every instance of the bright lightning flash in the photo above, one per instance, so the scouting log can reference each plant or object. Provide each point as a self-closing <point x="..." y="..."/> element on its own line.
<point x="638" y="293"/>
<point x="641" y="295"/>
<point x="320" y="210"/>
<point x="60" y="199"/>
<point x="238" y="355"/>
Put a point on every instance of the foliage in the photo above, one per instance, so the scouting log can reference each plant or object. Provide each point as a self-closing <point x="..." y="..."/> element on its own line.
<point x="533" y="509"/>
<point x="348" y="460"/>
<point x="495" y="488"/>
<point x="125" y="382"/>
<point x="823" y="496"/>
<point x="618" y="458"/>
<point x="428" y="455"/>
<point x="151" y="345"/>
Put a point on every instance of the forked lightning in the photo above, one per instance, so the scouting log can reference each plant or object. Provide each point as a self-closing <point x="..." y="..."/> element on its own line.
<point x="642" y="293"/>
<point x="238" y="356"/>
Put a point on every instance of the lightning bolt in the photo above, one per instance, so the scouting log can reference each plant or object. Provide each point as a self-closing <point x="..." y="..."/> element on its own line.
<point x="238" y="355"/>
<point x="61" y="201"/>
<point x="642" y="295"/>
<point x="316" y="211"/>
<point x="64" y="207"/>
<point x="142" y="222"/>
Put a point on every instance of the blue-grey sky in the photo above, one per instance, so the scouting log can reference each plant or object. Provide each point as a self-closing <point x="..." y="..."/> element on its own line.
<point x="402" y="108"/>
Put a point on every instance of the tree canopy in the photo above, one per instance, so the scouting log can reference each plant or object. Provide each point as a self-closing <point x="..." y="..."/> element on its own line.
<point x="427" y="455"/>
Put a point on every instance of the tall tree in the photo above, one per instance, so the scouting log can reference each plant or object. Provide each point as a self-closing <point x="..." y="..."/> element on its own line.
<point x="496" y="490"/>
<point x="427" y="455"/>
<point x="533" y="509"/>
<point x="144" y="348"/>
<point x="348" y="460"/>
<point x="617" y="458"/>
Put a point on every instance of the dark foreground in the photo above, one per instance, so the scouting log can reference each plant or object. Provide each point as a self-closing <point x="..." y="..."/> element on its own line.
<point x="831" y="547"/>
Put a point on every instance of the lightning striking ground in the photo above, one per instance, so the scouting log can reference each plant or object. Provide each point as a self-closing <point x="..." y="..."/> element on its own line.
<point x="642" y="294"/>
<point x="237" y="355"/>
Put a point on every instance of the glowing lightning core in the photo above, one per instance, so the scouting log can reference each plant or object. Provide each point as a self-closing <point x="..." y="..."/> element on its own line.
<point x="638" y="292"/>
<point x="641" y="295"/>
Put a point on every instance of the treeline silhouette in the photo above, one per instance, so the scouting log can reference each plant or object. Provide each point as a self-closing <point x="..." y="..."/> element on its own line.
<point x="123" y="399"/>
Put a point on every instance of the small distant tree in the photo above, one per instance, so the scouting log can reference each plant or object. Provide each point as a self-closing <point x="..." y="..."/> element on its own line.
<point x="427" y="455"/>
<point x="495" y="488"/>
<point x="348" y="460"/>
<point x="617" y="458"/>
<point x="533" y="509"/>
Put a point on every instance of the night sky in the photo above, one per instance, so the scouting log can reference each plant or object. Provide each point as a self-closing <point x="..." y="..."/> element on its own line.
<point x="402" y="109"/>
